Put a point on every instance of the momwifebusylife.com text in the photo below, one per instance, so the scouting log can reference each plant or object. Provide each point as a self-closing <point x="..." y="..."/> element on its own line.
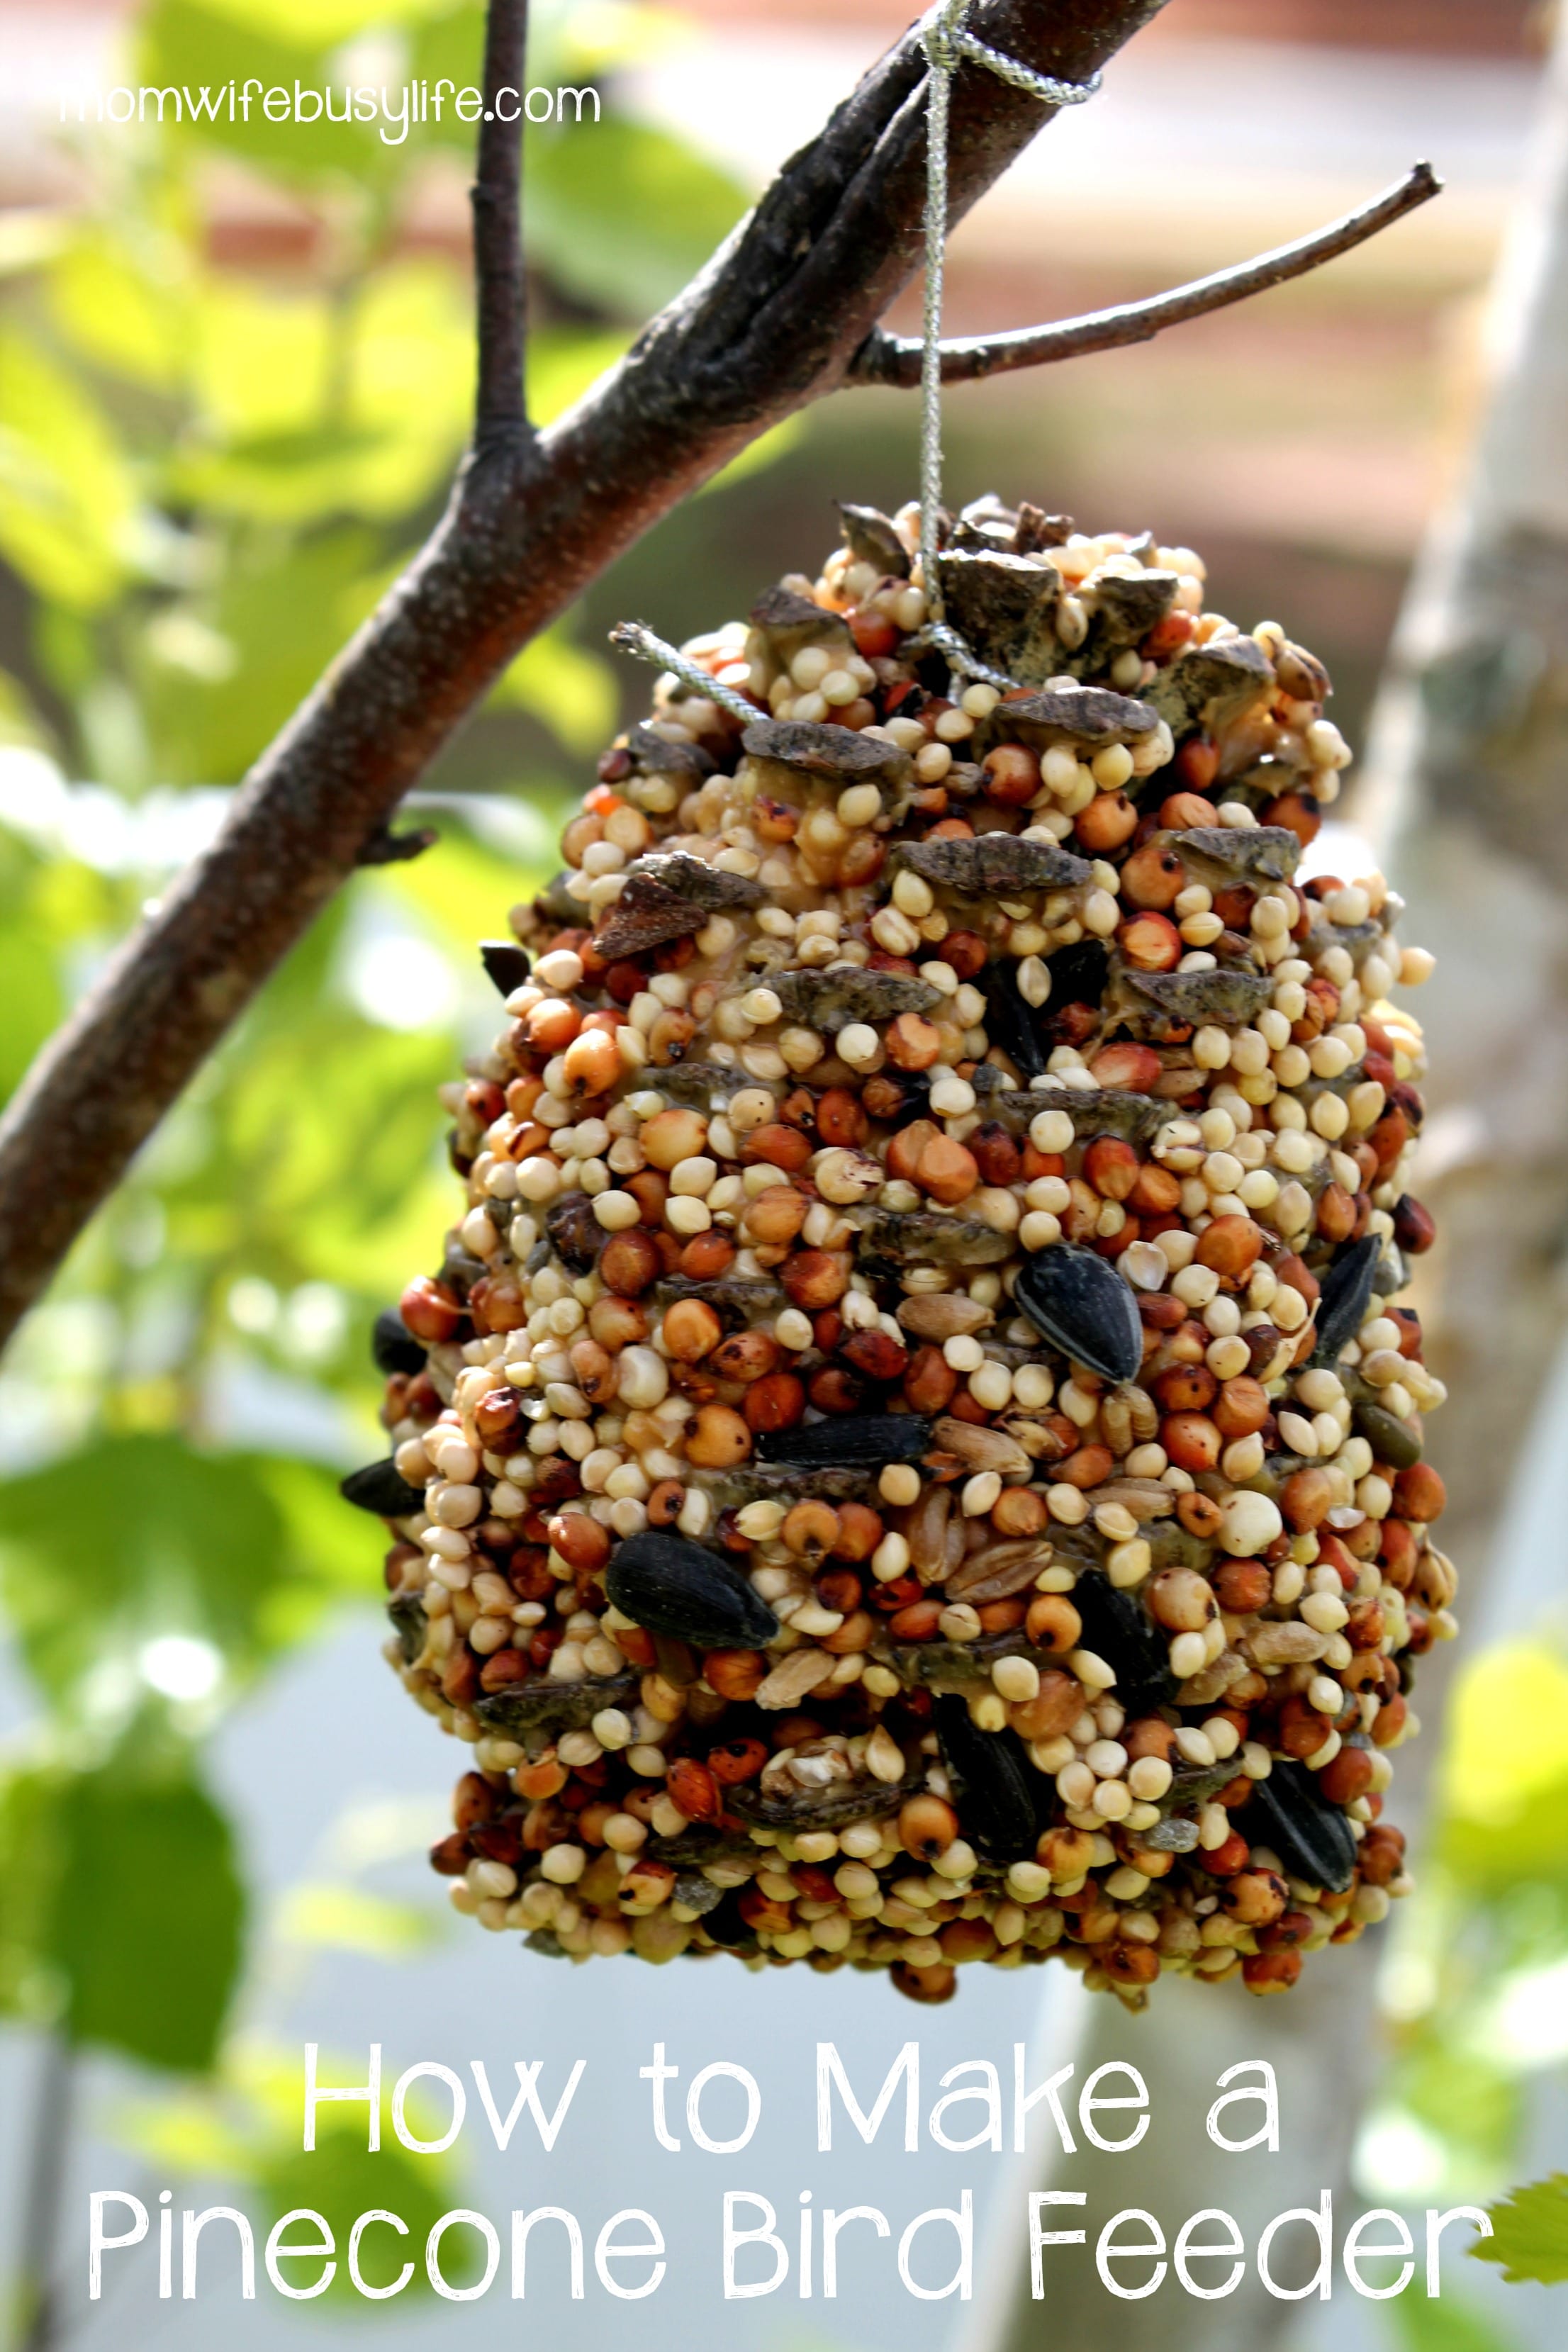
<point x="393" y="112"/>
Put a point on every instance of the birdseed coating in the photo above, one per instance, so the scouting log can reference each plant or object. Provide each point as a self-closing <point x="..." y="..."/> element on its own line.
<point x="911" y="1454"/>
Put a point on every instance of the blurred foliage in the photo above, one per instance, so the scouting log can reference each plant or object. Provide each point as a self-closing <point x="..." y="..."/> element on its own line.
<point x="236" y="376"/>
<point x="244" y="2126"/>
<point x="1475" y="1981"/>
<point x="123" y="1908"/>
<point x="1425" y="2324"/>
<point x="1529" y="2232"/>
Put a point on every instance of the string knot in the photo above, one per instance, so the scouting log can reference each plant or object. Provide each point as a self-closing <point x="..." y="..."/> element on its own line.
<point x="947" y="43"/>
<point x="941" y="37"/>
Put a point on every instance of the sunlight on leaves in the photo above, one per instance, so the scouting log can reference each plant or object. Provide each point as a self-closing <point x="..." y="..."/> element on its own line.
<point x="66" y="495"/>
<point x="573" y="691"/>
<point x="344" y="1918"/>
<point x="245" y="2127"/>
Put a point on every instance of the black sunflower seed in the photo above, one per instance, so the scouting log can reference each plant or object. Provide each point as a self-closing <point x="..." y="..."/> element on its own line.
<point x="1312" y="1837"/>
<point x="1079" y="1302"/>
<point x="1077" y="977"/>
<point x="378" y="1487"/>
<point x="408" y="1616"/>
<point x="996" y="1782"/>
<point x="393" y="1346"/>
<point x="1346" y="1294"/>
<point x="1116" y="1628"/>
<point x="725" y="1926"/>
<point x="671" y="1586"/>
<point x="1010" y="1020"/>
<point x="855" y="1441"/>
<point x="505" y="962"/>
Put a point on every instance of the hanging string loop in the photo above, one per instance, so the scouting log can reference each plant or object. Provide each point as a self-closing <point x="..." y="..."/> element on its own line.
<point x="947" y="44"/>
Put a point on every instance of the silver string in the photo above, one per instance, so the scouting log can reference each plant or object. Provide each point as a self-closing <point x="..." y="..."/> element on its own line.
<point x="633" y="638"/>
<point x="946" y="44"/>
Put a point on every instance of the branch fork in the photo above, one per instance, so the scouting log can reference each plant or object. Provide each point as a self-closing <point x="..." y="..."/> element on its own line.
<point x="786" y="310"/>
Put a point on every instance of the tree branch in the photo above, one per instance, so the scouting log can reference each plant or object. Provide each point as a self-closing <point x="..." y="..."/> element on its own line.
<point x="895" y="359"/>
<point x="499" y="306"/>
<point x="773" y="323"/>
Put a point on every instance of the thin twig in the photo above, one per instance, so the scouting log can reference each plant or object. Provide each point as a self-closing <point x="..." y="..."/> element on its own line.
<point x="388" y="848"/>
<point x="499" y="300"/>
<point x="895" y="359"/>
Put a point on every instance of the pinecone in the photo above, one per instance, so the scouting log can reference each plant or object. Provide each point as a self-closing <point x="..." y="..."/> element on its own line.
<point x="911" y="1455"/>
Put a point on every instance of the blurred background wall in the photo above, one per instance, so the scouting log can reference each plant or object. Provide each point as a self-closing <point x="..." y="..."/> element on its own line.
<point x="233" y="375"/>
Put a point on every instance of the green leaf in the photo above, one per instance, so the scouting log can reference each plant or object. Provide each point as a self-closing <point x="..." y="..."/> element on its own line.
<point x="245" y="2128"/>
<point x="1529" y="2232"/>
<point x="347" y="1918"/>
<point x="315" y="408"/>
<point x="341" y="2179"/>
<point x="30" y="1866"/>
<point x="757" y="455"/>
<point x="153" y="1540"/>
<point x="322" y="22"/>
<point x="563" y="363"/>
<point x="1508" y="1730"/>
<point x="66" y="496"/>
<point x="205" y="45"/>
<point x="570" y="690"/>
<point x="262" y="361"/>
<point x="131" y="1908"/>
<point x="29" y="980"/>
<point x="217" y="679"/>
<point x="148" y="1926"/>
<point x="621" y="214"/>
<point x="19" y="722"/>
<point x="124" y="316"/>
<point x="1504" y="1770"/>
